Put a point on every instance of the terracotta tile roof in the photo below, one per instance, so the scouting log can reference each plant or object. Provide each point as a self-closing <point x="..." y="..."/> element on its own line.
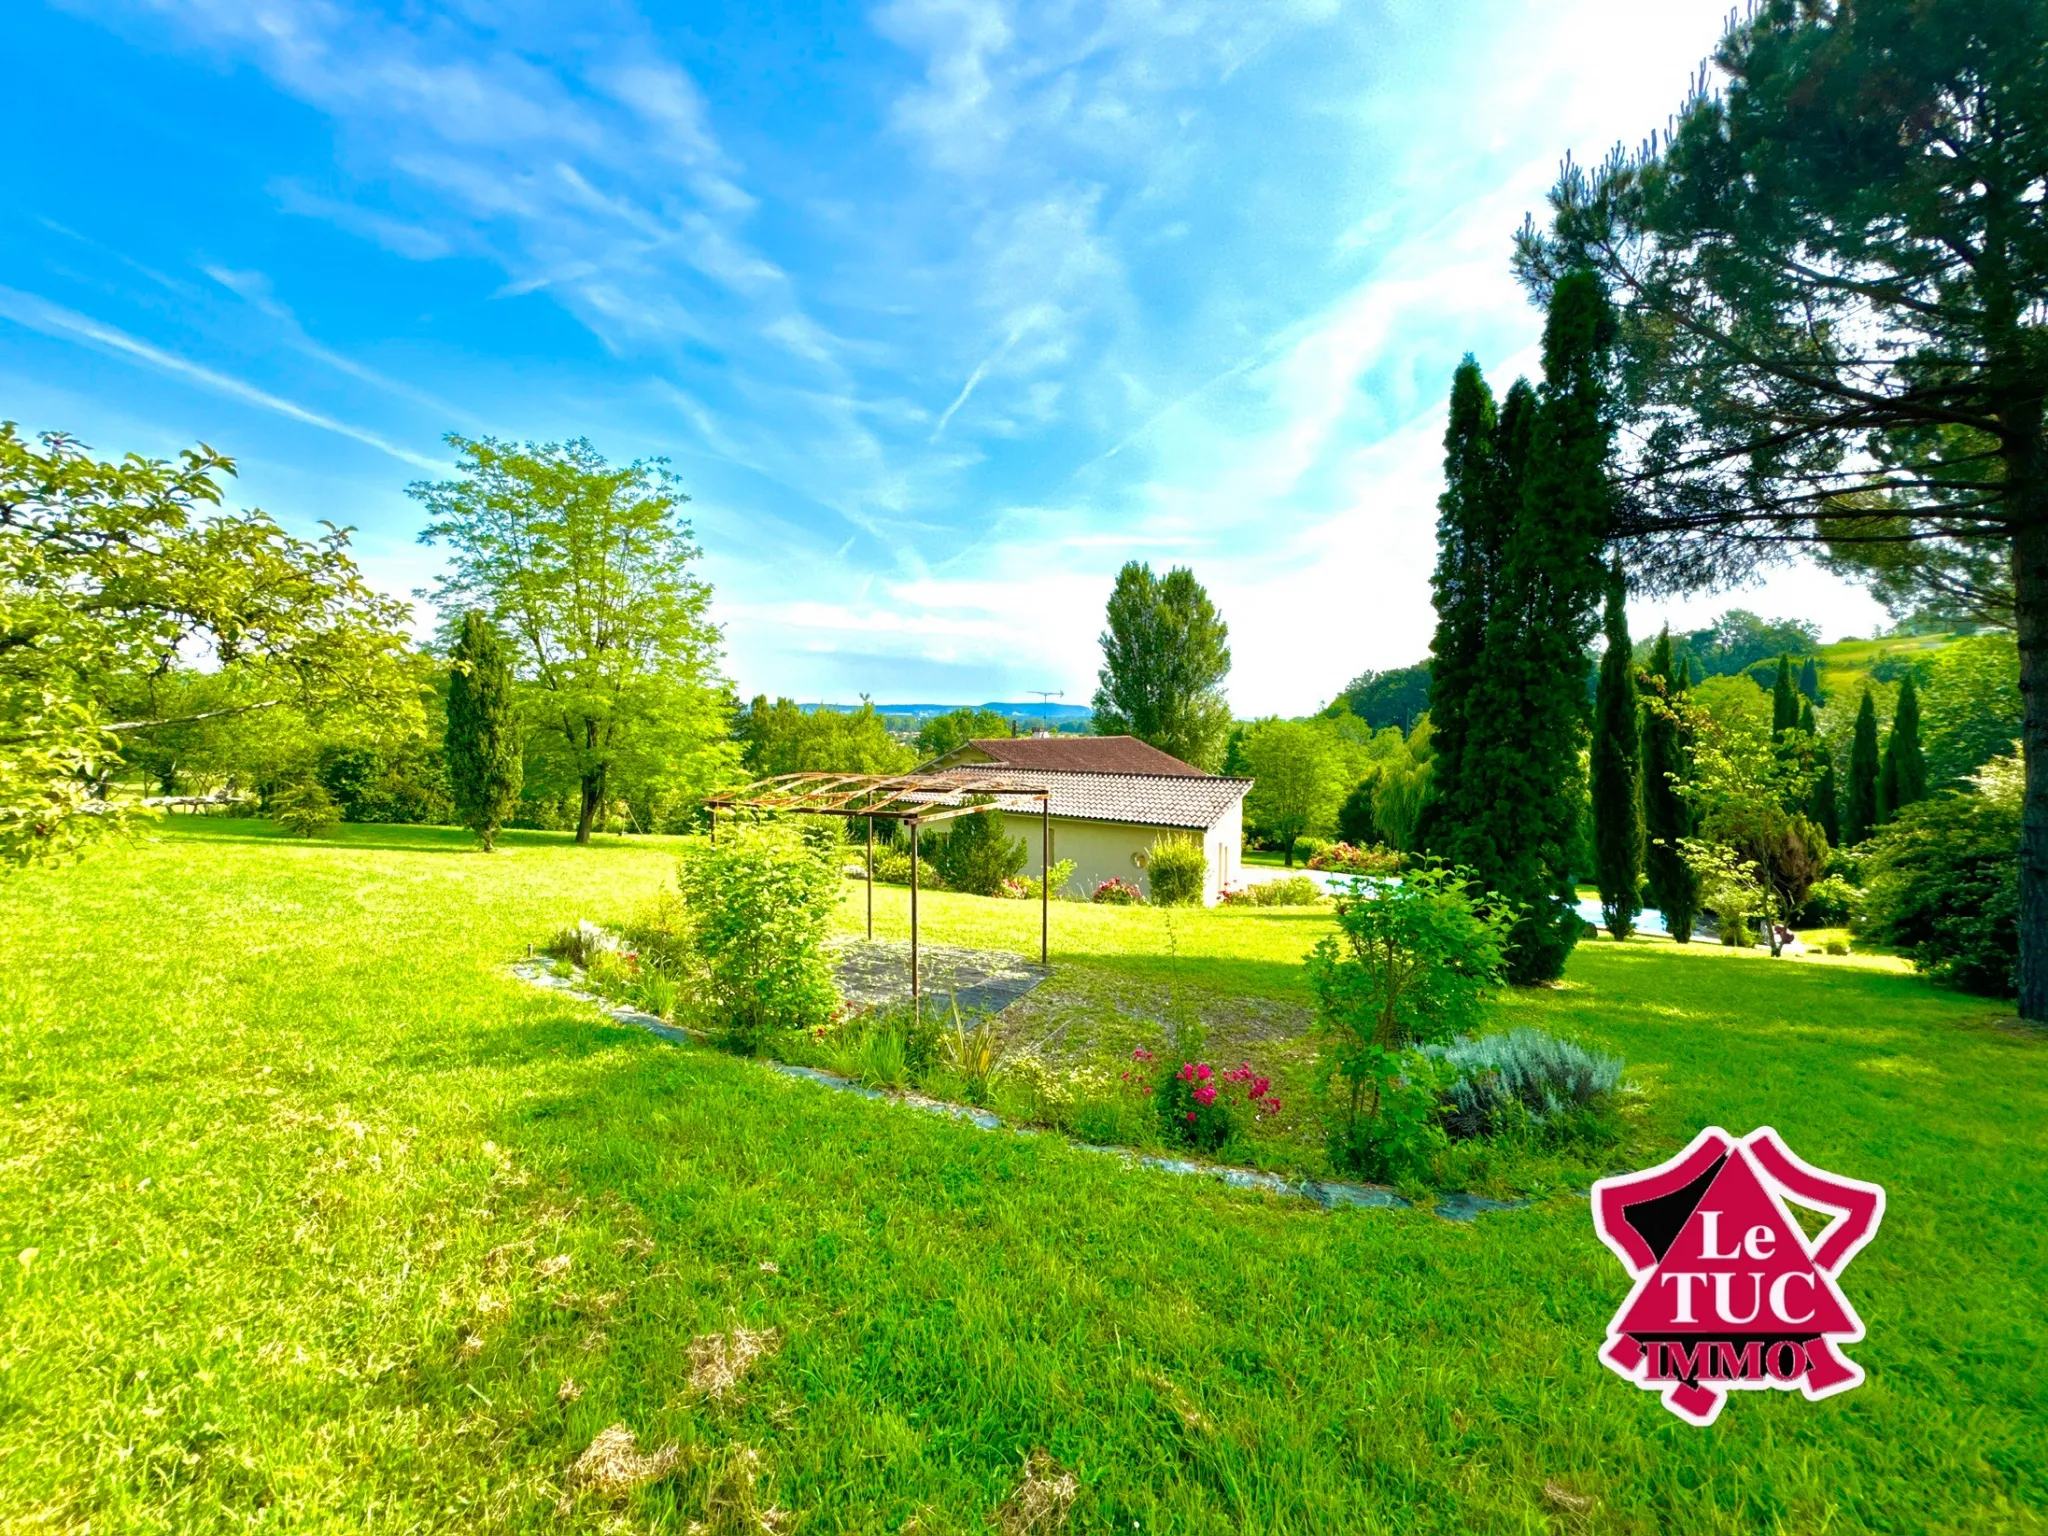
<point x="1192" y="800"/>
<point x="1084" y="754"/>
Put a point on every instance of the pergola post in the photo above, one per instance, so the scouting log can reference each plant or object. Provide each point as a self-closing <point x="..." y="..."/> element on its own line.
<point x="1045" y="881"/>
<point x="913" y="921"/>
<point x="871" y="878"/>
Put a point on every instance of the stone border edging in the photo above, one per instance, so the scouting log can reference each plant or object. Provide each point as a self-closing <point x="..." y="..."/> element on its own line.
<point x="1329" y="1194"/>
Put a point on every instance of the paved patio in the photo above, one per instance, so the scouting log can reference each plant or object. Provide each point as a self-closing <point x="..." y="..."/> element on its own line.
<point x="876" y="973"/>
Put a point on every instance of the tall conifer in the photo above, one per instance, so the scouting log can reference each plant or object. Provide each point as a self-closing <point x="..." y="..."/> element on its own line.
<point x="1532" y="683"/>
<point x="1809" y="680"/>
<point x="1862" y="819"/>
<point x="1904" y="779"/>
<point x="1821" y="798"/>
<point x="482" y="738"/>
<point x="1667" y="817"/>
<point x="1784" y="701"/>
<point x="1617" y="776"/>
<point x="1468" y="534"/>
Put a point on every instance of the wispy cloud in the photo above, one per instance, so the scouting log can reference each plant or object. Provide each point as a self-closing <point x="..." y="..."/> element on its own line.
<point x="39" y="314"/>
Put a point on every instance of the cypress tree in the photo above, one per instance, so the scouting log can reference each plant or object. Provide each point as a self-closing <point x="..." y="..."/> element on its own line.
<point x="1904" y="778"/>
<point x="1821" y="799"/>
<point x="1532" y="682"/>
<point x="1809" y="681"/>
<point x="1784" y="702"/>
<point x="1468" y="535"/>
<point x="1617" y="772"/>
<point x="1863" y="775"/>
<point x="482" y="738"/>
<point x="1673" y="887"/>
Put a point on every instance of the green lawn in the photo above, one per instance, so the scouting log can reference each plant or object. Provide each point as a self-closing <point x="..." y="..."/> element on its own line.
<point x="291" y="1165"/>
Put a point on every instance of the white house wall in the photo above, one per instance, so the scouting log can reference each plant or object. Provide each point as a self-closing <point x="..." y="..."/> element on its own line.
<point x="1105" y="849"/>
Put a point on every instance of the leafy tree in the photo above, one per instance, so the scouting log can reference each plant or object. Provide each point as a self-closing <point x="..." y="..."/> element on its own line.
<point x="1616" y="769"/>
<point x="1398" y="697"/>
<point x="784" y="737"/>
<point x="1865" y="810"/>
<point x="1355" y="823"/>
<point x="1165" y="654"/>
<point x="116" y="573"/>
<point x="974" y="856"/>
<point x="1520" y="781"/>
<point x="398" y="783"/>
<point x="1297" y="784"/>
<point x="586" y="568"/>
<point x="1942" y="883"/>
<point x="942" y="733"/>
<point x="1667" y="815"/>
<point x="482" y="740"/>
<point x="1738" y="640"/>
<point x="1973" y="707"/>
<point x="1903" y="777"/>
<point x="1755" y="850"/>
<point x="1831" y="277"/>
<point x="1784" y="701"/>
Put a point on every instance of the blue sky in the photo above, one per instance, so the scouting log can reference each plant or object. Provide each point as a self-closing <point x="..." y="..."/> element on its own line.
<point x="942" y="309"/>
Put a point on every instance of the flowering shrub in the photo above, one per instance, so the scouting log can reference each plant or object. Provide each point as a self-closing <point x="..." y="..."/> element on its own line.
<point x="1200" y="1109"/>
<point x="1344" y="858"/>
<point x="1117" y="893"/>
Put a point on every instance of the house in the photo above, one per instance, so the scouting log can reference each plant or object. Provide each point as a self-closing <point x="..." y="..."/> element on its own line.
<point x="1112" y="797"/>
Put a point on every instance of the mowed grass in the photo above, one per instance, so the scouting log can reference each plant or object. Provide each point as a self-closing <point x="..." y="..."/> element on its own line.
<point x="299" y="1162"/>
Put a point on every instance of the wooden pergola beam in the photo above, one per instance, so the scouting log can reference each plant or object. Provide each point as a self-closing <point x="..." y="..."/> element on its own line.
<point x="914" y="798"/>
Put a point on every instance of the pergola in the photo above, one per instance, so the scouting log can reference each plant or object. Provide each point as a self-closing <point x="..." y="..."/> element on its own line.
<point x="913" y="798"/>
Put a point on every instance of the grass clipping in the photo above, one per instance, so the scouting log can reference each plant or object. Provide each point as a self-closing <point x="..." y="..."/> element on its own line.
<point x="1040" y="1504"/>
<point x="614" y="1465"/>
<point x="719" y="1360"/>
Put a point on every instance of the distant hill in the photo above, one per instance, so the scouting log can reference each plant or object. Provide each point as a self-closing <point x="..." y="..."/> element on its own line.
<point x="1031" y="709"/>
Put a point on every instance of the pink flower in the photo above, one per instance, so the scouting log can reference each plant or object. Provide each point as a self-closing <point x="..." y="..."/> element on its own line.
<point x="1259" y="1087"/>
<point x="1191" y="1117"/>
<point x="1187" y="1073"/>
<point x="1141" y="1054"/>
<point x="1205" y="1097"/>
<point x="1203" y="1072"/>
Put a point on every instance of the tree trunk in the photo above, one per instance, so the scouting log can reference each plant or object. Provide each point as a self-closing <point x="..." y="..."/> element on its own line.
<point x="593" y="796"/>
<point x="2030" y="594"/>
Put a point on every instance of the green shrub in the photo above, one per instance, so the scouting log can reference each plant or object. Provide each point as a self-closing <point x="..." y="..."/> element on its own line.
<point x="892" y="867"/>
<point x="402" y="784"/>
<point x="1307" y="849"/>
<point x="974" y="856"/>
<point x="304" y="809"/>
<point x="1290" y="891"/>
<point x="1500" y="1080"/>
<point x="1344" y="858"/>
<point x="657" y="994"/>
<point x="1412" y="963"/>
<point x="1943" y="883"/>
<point x="758" y="905"/>
<point x="1179" y="871"/>
<point x="580" y="943"/>
<point x="1062" y="872"/>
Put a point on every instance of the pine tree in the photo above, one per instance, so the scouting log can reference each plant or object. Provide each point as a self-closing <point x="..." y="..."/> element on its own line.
<point x="1905" y="766"/>
<point x="1784" y="702"/>
<point x="1809" y="681"/>
<point x="482" y="738"/>
<point x="1863" y="775"/>
<point x="1667" y="817"/>
<point x="1617" y="772"/>
<point x="1820" y="803"/>
<point x="1531" y="689"/>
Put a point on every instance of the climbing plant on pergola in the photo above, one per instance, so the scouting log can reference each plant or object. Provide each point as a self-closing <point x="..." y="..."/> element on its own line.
<point x="914" y="799"/>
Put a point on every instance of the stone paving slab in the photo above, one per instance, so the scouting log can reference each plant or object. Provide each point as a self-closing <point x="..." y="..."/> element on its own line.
<point x="875" y="973"/>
